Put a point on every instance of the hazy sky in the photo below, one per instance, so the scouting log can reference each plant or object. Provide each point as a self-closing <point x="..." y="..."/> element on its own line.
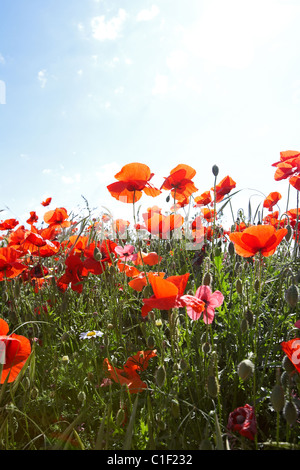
<point x="87" y="86"/>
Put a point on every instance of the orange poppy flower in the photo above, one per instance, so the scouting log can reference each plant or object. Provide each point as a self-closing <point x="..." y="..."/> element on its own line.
<point x="57" y="218"/>
<point x="8" y="224"/>
<point x="36" y="245"/>
<point x="271" y="200"/>
<point x="132" y="180"/>
<point x="159" y="224"/>
<point x="14" y="351"/>
<point x="289" y="163"/>
<point x="262" y="239"/>
<point x="292" y="350"/>
<point x="295" y="182"/>
<point x="208" y="214"/>
<point x="180" y="183"/>
<point x="224" y="187"/>
<point x="46" y="202"/>
<point x="129" y="376"/>
<point x="150" y="259"/>
<point x="203" y="200"/>
<point x="167" y="292"/>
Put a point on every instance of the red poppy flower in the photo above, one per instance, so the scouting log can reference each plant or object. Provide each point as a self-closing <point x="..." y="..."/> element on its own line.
<point x="295" y="182"/>
<point x="129" y="376"/>
<point x="14" y="351"/>
<point x="167" y="292"/>
<point x="10" y="267"/>
<point x="132" y="180"/>
<point x="46" y="202"/>
<point x="180" y="183"/>
<point x="224" y="187"/>
<point x="36" y="245"/>
<point x="74" y="274"/>
<point x="33" y="218"/>
<point x="262" y="239"/>
<point x="288" y="165"/>
<point x="292" y="350"/>
<point x="271" y="200"/>
<point x="57" y="218"/>
<point x="243" y="421"/>
<point x="203" y="200"/>
<point x="208" y="214"/>
<point x="8" y="224"/>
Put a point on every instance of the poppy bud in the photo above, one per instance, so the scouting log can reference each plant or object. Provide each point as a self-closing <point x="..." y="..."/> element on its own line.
<point x="231" y="249"/>
<point x="97" y="254"/>
<point x="212" y="386"/>
<point x="183" y="365"/>
<point x="245" y="369"/>
<point x="150" y="342"/>
<point x="288" y="365"/>
<point x="290" y="413"/>
<point x="244" y="325"/>
<point x="215" y="170"/>
<point x="284" y="379"/>
<point x="289" y="233"/>
<point x="34" y="393"/>
<point x="249" y="317"/>
<point x="277" y="398"/>
<point x="206" y="279"/>
<point x="175" y="408"/>
<point x="160" y="376"/>
<point x="206" y="347"/>
<point x="292" y="295"/>
<point x="256" y="285"/>
<point x="239" y="286"/>
<point x="168" y="198"/>
<point x="81" y="396"/>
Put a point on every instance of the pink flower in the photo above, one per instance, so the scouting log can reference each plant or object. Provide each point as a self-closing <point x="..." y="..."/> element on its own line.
<point x="243" y="421"/>
<point x="211" y="301"/>
<point x="126" y="253"/>
<point x="297" y="324"/>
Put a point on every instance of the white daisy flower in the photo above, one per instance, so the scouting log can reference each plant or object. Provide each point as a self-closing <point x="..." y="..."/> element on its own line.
<point x="90" y="334"/>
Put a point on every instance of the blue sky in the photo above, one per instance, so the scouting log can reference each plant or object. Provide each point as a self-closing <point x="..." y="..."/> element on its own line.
<point x="91" y="85"/>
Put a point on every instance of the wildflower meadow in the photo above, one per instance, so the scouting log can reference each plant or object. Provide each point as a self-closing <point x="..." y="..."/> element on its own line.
<point x="170" y="332"/>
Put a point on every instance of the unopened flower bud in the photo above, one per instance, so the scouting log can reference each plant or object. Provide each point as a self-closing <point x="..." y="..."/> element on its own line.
<point x="289" y="233"/>
<point x="288" y="365"/>
<point x="150" y="342"/>
<point x="215" y="170"/>
<point x="160" y="376"/>
<point x="245" y="369"/>
<point x="231" y="249"/>
<point x="97" y="254"/>
<point x="206" y="347"/>
<point x="244" y="325"/>
<point x="120" y="417"/>
<point x="81" y="396"/>
<point x="212" y="386"/>
<point x="206" y="279"/>
<point x="292" y="295"/>
<point x="175" y="408"/>
<point x="256" y="285"/>
<point x="239" y="286"/>
<point x="277" y="397"/>
<point x="290" y="413"/>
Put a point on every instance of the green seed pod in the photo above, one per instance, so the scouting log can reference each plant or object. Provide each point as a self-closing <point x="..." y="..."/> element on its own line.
<point x="212" y="386"/>
<point x="292" y="295"/>
<point x="206" y="279"/>
<point x="277" y="398"/>
<point x="239" y="286"/>
<point x="160" y="376"/>
<point x="290" y="413"/>
<point x="245" y="369"/>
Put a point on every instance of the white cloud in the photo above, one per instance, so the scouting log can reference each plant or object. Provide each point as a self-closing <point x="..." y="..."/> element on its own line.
<point x="42" y="78"/>
<point x="119" y="90"/>
<point x="229" y="33"/>
<point x="71" y="179"/>
<point x="108" y="30"/>
<point x="107" y="173"/>
<point x="147" y="15"/>
<point x="161" y="85"/>
<point x="2" y="60"/>
<point x="177" y="60"/>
